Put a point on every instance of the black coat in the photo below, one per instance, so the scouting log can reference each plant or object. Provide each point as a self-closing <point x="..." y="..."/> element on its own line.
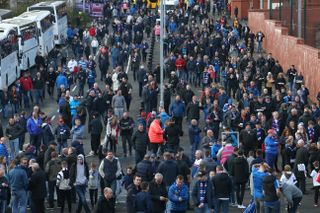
<point x="172" y="134"/>
<point x="131" y="198"/>
<point x="37" y="185"/>
<point x="95" y="126"/>
<point x="193" y="111"/>
<point x="140" y="140"/>
<point x="240" y="170"/>
<point x="169" y="169"/>
<point x="105" y="205"/>
<point x="302" y="157"/>
<point x="157" y="190"/>
<point x="222" y="185"/>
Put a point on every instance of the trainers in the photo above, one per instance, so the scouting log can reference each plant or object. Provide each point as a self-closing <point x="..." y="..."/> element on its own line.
<point x="91" y="153"/>
<point x="315" y="205"/>
<point x="234" y="205"/>
<point x="241" y="207"/>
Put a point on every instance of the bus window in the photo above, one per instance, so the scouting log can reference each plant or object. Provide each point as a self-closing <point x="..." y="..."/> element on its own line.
<point x="29" y="33"/>
<point x="9" y="45"/>
<point x="62" y="11"/>
<point x="46" y="24"/>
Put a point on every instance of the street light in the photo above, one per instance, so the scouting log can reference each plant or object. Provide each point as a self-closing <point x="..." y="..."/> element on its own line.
<point x="161" y="51"/>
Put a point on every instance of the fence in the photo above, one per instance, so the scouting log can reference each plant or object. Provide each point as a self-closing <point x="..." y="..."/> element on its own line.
<point x="301" y="17"/>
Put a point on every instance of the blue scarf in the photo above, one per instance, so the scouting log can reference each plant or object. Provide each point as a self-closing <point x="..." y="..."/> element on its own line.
<point x="311" y="133"/>
<point x="275" y="126"/>
<point x="203" y="187"/>
<point x="259" y="134"/>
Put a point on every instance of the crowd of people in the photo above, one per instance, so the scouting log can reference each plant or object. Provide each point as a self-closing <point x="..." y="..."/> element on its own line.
<point x="252" y="124"/>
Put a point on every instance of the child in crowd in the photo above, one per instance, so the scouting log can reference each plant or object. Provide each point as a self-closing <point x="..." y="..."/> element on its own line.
<point x="93" y="184"/>
<point x="288" y="176"/>
<point x="250" y="158"/>
<point x="128" y="178"/>
<point x="316" y="183"/>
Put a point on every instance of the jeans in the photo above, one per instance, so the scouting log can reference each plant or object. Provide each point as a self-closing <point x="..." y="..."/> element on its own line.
<point x="240" y="189"/>
<point x="19" y="201"/>
<point x="205" y="209"/>
<point x="14" y="146"/>
<point x="271" y="159"/>
<point x="295" y="205"/>
<point x="61" y="145"/>
<point x="118" y="112"/>
<point x="51" y="188"/>
<point x="37" y="205"/>
<point x="194" y="147"/>
<point x="38" y="95"/>
<point x="139" y="155"/>
<point x="274" y="208"/>
<point x="35" y="140"/>
<point x="221" y="204"/>
<point x="93" y="196"/>
<point x="95" y="142"/>
<point x="111" y="184"/>
<point x="65" y="195"/>
<point x="81" y="191"/>
<point x="3" y="206"/>
<point x="126" y="139"/>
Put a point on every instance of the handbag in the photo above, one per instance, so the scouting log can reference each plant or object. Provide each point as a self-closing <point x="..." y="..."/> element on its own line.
<point x="318" y="177"/>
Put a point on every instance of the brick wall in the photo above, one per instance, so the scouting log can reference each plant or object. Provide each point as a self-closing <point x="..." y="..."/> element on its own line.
<point x="288" y="49"/>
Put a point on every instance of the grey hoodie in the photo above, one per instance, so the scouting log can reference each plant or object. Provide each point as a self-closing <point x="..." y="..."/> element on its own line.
<point x="290" y="192"/>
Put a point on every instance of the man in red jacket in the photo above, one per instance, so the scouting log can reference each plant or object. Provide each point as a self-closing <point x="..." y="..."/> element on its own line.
<point x="26" y="86"/>
<point x="180" y="67"/>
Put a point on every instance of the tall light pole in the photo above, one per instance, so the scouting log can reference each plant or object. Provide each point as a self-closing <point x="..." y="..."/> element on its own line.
<point x="161" y="51"/>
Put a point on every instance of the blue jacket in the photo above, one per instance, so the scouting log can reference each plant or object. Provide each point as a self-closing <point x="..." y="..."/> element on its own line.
<point x="73" y="106"/>
<point x="61" y="80"/>
<point x="4" y="151"/>
<point x="33" y="128"/>
<point x="194" y="134"/>
<point x="177" y="109"/>
<point x="164" y="117"/>
<point x="271" y="145"/>
<point x="174" y="194"/>
<point x="18" y="179"/>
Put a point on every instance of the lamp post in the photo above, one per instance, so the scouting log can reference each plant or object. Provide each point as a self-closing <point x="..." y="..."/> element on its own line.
<point x="161" y="51"/>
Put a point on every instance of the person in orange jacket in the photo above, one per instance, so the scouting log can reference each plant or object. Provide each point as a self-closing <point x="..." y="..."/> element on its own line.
<point x="155" y="135"/>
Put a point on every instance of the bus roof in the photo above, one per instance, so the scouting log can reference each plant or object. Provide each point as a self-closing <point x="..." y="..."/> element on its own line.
<point x="35" y="15"/>
<point x="20" y="22"/>
<point x="4" y="30"/>
<point x="48" y="3"/>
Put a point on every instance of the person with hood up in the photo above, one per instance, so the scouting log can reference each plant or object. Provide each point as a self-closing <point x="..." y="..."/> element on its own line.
<point x="79" y="176"/>
<point x="288" y="176"/>
<point x="155" y="135"/>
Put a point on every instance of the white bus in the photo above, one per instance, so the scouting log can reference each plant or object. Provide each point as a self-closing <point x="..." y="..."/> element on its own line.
<point x="59" y="10"/>
<point x="45" y="25"/>
<point x="9" y="68"/>
<point x="27" y="40"/>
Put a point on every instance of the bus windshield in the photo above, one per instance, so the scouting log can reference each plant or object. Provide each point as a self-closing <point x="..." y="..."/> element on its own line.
<point x="46" y="24"/>
<point x="29" y="32"/>
<point x="9" y="44"/>
<point x="61" y="11"/>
